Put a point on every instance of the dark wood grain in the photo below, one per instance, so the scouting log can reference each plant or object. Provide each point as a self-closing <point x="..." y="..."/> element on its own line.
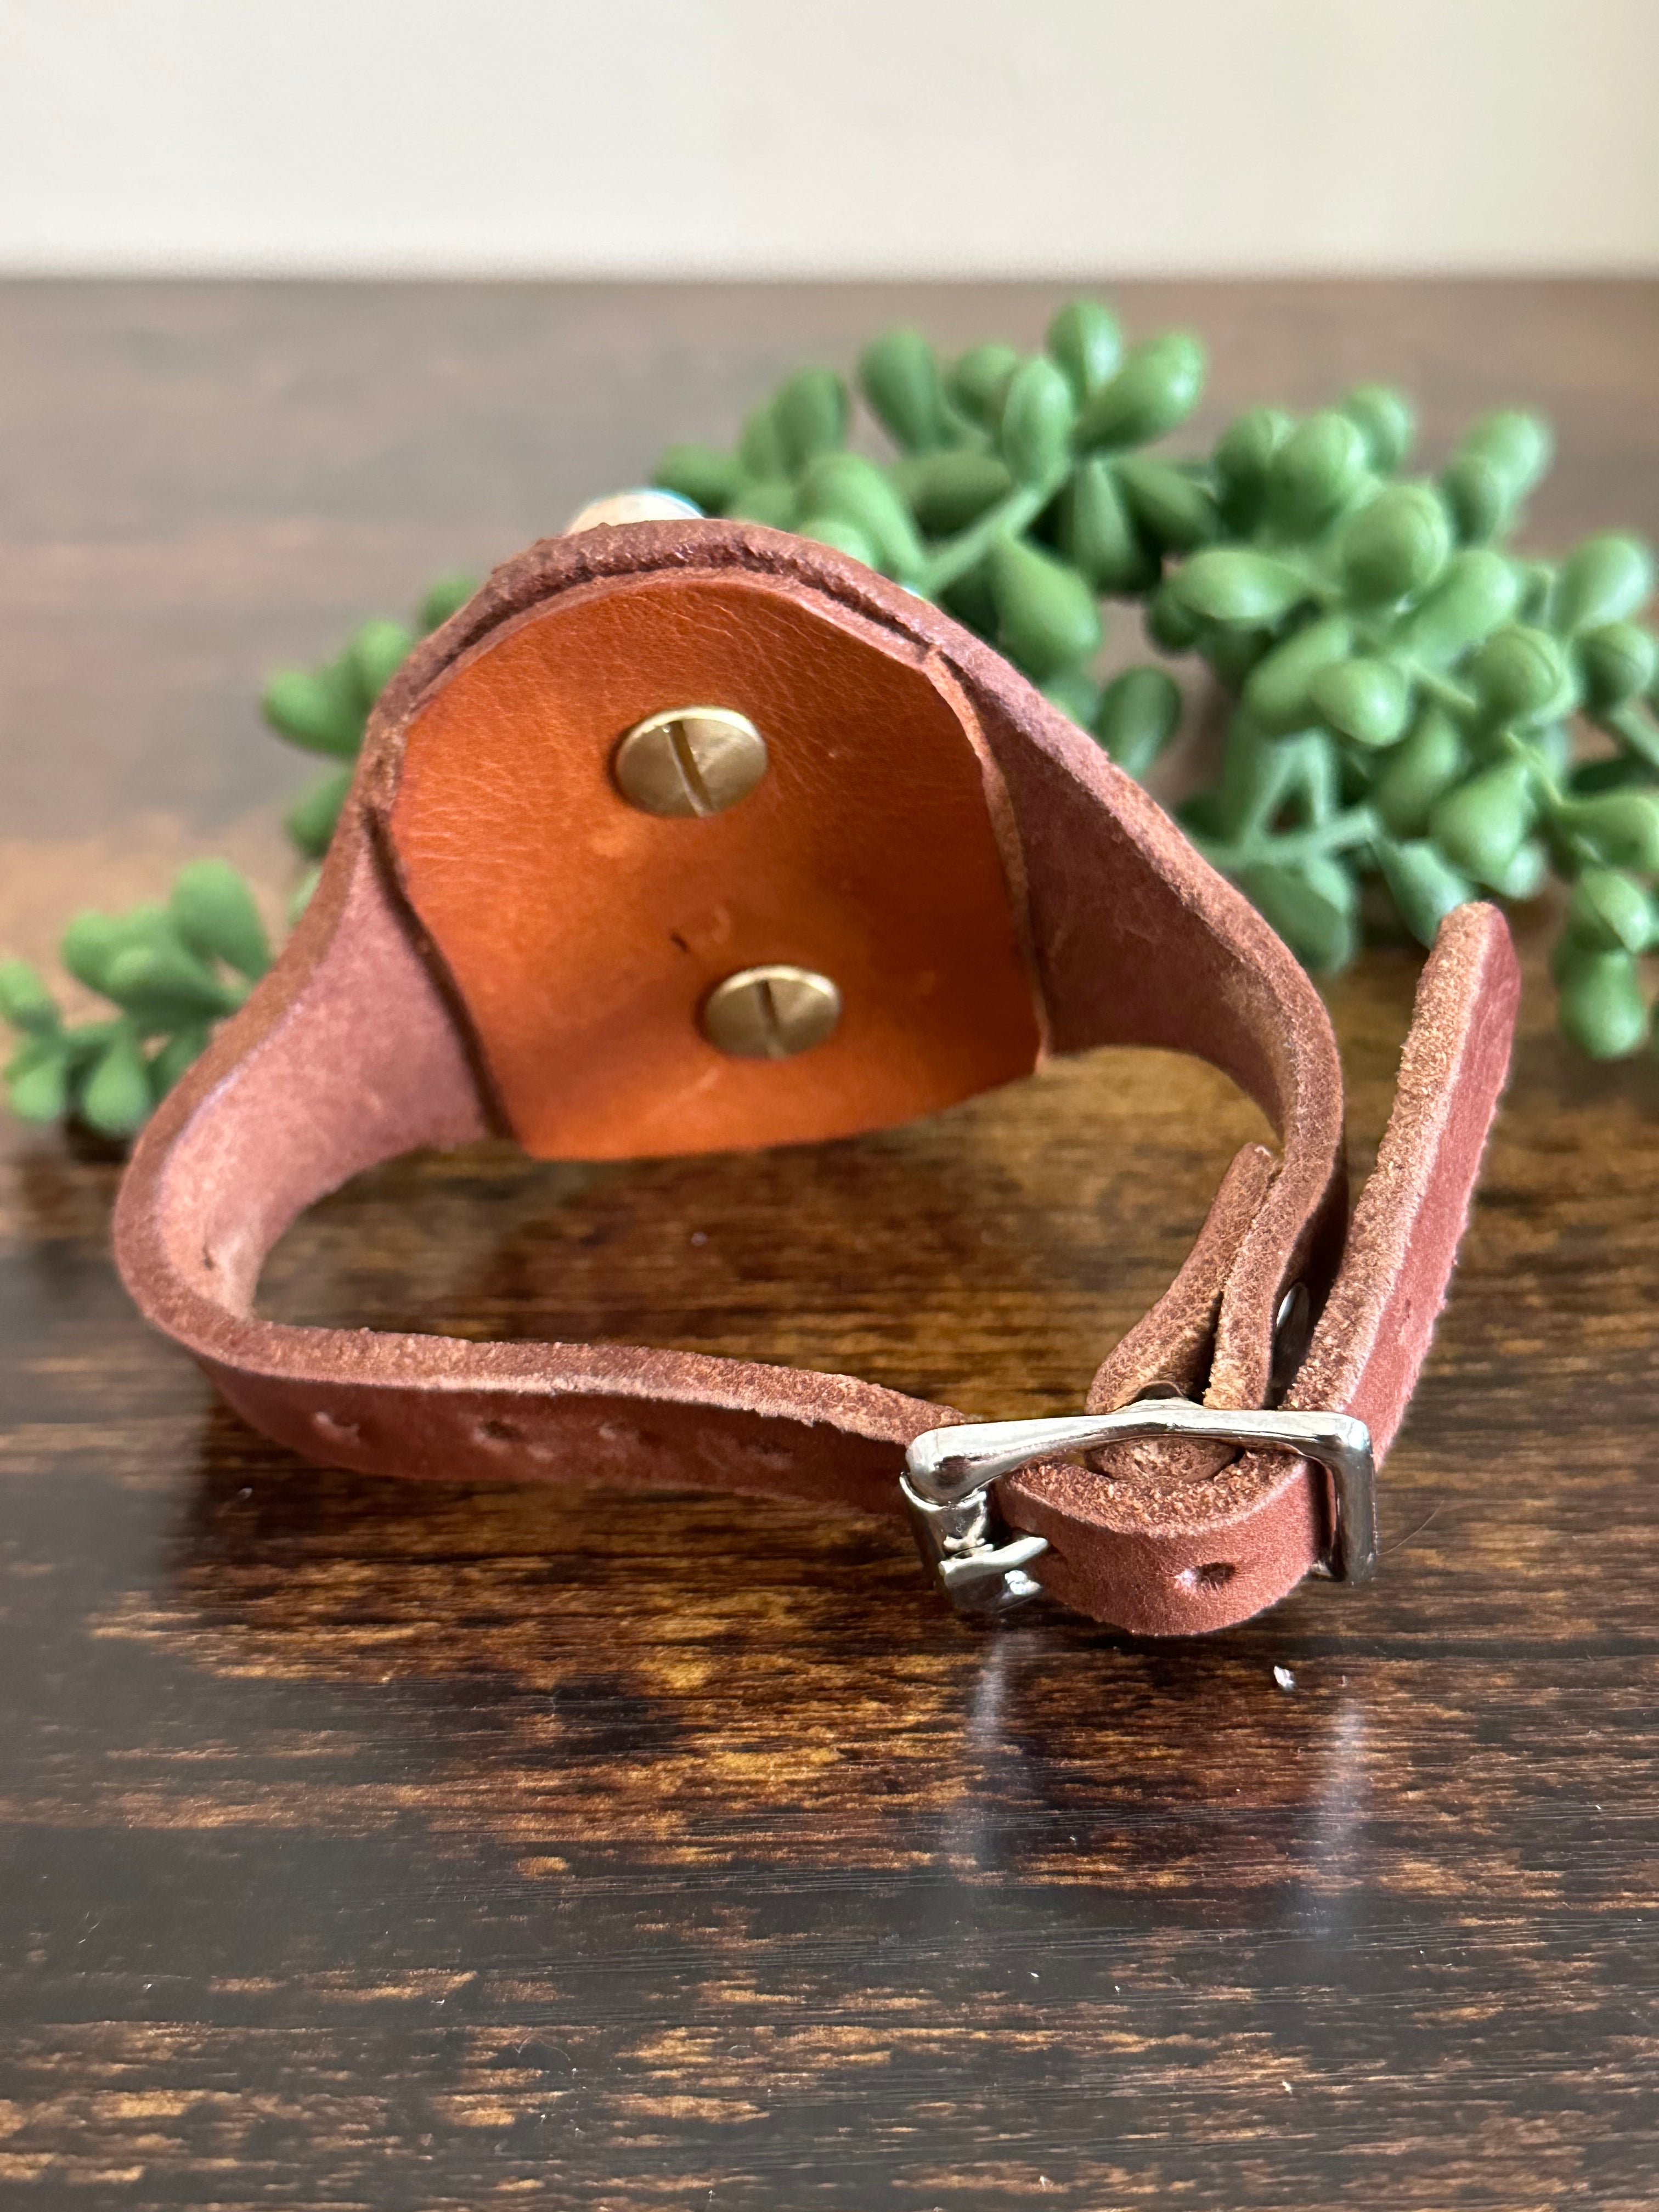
<point x="370" y="1846"/>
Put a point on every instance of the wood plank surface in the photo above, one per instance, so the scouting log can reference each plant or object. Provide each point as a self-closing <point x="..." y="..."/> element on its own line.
<point x="367" y="1846"/>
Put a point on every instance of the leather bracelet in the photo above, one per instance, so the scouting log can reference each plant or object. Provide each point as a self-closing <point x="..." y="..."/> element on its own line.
<point x="689" y="835"/>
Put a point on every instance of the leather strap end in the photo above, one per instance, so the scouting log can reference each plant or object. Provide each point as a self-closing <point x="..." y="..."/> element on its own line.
<point x="1174" y="1556"/>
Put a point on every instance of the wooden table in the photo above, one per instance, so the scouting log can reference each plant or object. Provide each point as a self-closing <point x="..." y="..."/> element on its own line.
<point x="367" y="1846"/>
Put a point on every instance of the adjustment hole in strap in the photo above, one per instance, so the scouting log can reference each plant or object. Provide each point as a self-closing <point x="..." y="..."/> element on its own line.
<point x="498" y="1433"/>
<point x="1214" y="1574"/>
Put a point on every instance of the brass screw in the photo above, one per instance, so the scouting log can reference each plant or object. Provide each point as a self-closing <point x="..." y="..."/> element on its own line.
<point x="771" y="1012"/>
<point x="690" y="760"/>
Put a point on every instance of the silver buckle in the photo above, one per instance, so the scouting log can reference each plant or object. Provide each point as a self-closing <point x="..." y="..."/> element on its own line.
<point x="948" y="1473"/>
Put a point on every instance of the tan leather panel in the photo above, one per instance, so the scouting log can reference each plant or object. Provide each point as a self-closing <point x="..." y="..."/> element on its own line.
<point x="583" y="935"/>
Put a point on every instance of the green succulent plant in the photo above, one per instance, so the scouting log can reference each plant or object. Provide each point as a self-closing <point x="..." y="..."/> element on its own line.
<point x="170" y="973"/>
<point x="326" y="709"/>
<point x="1418" y="713"/>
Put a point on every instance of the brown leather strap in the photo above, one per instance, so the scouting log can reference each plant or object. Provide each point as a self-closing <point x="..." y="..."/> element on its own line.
<point x="499" y="941"/>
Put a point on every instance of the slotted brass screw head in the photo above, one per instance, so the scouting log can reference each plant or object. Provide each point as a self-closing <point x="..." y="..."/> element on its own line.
<point x="690" y="760"/>
<point x="771" y="1012"/>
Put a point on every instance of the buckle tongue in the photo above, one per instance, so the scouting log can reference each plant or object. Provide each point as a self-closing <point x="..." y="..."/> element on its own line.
<point x="980" y="1565"/>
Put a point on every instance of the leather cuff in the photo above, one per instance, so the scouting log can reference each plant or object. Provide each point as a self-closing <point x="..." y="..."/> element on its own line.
<point x="504" y="940"/>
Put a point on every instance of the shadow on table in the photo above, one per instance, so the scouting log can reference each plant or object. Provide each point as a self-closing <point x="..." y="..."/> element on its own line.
<point x="715" y="1679"/>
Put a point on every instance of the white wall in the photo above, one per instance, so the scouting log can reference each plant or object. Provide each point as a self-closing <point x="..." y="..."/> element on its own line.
<point x="828" y="136"/>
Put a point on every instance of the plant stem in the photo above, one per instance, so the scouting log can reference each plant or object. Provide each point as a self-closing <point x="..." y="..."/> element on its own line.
<point x="1011" y="514"/>
<point x="1442" y="688"/>
<point x="1358" y="825"/>
<point x="1637" y="728"/>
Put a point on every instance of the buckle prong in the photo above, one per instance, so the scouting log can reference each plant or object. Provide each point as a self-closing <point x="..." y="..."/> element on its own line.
<point x="980" y="1565"/>
<point x="949" y="1473"/>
